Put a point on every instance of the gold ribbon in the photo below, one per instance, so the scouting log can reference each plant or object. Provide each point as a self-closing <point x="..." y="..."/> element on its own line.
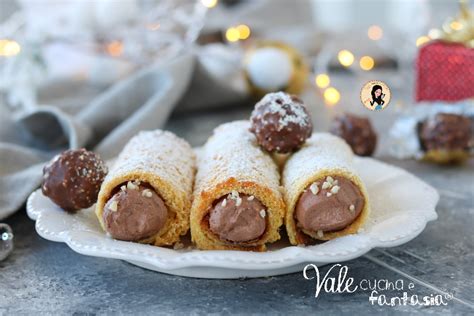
<point x="459" y="29"/>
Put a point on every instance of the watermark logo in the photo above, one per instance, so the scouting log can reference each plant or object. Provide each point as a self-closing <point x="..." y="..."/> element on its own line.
<point x="375" y="95"/>
<point x="337" y="280"/>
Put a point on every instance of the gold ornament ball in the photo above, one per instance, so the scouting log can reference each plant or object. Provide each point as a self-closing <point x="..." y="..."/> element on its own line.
<point x="288" y="74"/>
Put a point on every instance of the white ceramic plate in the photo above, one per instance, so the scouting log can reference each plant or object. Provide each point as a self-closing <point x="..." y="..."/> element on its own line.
<point x="401" y="206"/>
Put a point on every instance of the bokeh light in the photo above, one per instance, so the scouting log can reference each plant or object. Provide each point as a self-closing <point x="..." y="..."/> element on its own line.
<point x="455" y="25"/>
<point x="322" y="81"/>
<point x="375" y="32"/>
<point x="422" y="40"/>
<point x="232" y="34"/>
<point x="331" y="96"/>
<point x="9" y="48"/>
<point x="366" y="63"/>
<point x="209" y="3"/>
<point x="345" y="57"/>
<point x="115" y="48"/>
<point x="244" y="31"/>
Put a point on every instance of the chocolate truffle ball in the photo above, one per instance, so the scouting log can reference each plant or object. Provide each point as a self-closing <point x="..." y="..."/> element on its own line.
<point x="238" y="218"/>
<point x="281" y="122"/>
<point x="135" y="212"/>
<point x="72" y="179"/>
<point x="357" y="131"/>
<point x="446" y="132"/>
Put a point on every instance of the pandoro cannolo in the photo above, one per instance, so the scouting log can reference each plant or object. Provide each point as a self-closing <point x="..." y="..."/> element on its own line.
<point x="237" y="203"/>
<point x="324" y="196"/>
<point x="146" y="196"/>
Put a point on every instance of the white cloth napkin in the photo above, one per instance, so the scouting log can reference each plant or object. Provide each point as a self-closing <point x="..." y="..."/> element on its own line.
<point x="141" y="102"/>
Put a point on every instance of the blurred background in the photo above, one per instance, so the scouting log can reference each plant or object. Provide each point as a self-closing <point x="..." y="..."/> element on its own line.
<point x="80" y="57"/>
<point x="86" y="46"/>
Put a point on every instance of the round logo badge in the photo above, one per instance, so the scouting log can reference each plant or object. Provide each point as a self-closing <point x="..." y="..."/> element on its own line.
<point x="375" y="95"/>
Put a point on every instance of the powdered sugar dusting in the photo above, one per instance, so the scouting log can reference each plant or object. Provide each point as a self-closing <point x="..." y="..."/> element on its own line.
<point x="321" y="151"/>
<point x="232" y="152"/>
<point x="159" y="152"/>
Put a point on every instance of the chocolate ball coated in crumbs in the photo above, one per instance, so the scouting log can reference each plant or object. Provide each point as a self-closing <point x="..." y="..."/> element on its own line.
<point x="281" y="122"/>
<point x="357" y="131"/>
<point x="73" y="178"/>
<point x="445" y="131"/>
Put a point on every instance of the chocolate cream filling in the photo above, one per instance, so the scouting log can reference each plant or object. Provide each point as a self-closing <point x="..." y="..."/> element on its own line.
<point x="329" y="204"/>
<point x="238" y="218"/>
<point x="134" y="212"/>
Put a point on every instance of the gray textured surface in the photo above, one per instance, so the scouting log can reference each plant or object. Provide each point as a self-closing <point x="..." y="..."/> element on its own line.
<point x="47" y="277"/>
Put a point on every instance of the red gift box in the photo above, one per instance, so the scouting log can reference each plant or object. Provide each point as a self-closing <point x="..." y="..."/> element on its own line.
<point x="445" y="72"/>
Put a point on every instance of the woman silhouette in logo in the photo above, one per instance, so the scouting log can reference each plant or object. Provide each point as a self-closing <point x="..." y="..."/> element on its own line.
<point x="377" y="97"/>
